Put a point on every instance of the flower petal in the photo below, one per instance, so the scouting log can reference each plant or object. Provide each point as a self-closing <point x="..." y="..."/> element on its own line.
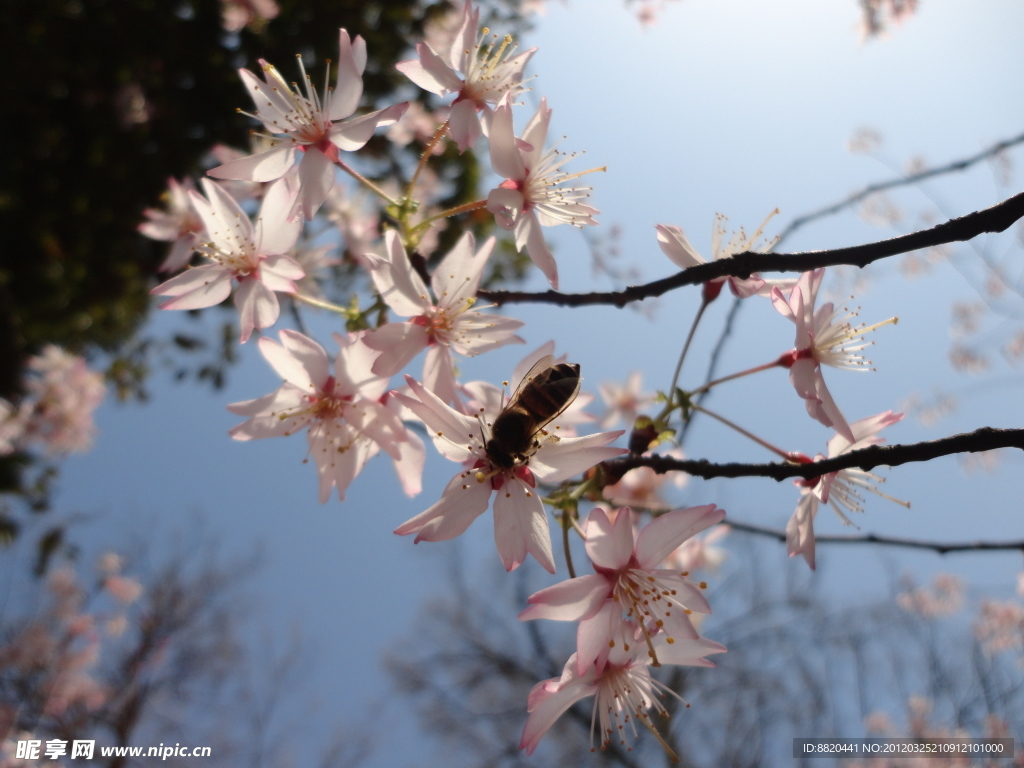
<point x="463" y="501"/>
<point x="610" y="538"/>
<point x="298" y="360"/>
<point x="264" y="166"/>
<point x="348" y="88"/>
<point x="351" y="135"/>
<point x="660" y="537"/>
<point x="521" y="526"/>
<point x="257" y="306"/>
<point x="560" y="459"/>
<point x="570" y="600"/>
<point x="398" y="344"/>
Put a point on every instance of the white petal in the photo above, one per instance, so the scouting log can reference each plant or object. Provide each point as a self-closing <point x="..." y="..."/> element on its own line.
<point x="397" y="282"/>
<point x="559" y="460"/>
<point x="353" y="134"/>
<point x="610" y="538"/>
<point x="463" y="501"/>
<point x="528" y="233"/>
<point x="298" y="360"/>
<point x="660" y="537"/>
<point x="278" y="232"/>
<point x="257" y="306"/>
<point x="316" y="177"/>
<point x="348" y="89"/>
<point x="398" y="344"/>
<point x="458" y="275"/>
<point x="505" y="157"/>
<point x="265" y="166"/>
<point x="569" y="600"/>
<point x="464" y="124"/>
<point x="521" y="526"/>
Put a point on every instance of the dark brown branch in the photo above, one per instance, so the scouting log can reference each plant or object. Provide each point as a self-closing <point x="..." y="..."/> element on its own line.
<point x="914" y="178"/>
<point x="889" y="541"/>
<point x="984" y="439"/>
<point x="998" y="218"/>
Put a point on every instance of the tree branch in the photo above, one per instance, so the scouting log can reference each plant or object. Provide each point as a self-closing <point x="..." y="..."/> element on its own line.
<point x="871" y="538"/>
<point x="984" y="439"/>
<point x="914" y="178"/>
<point x="998" y="218"/>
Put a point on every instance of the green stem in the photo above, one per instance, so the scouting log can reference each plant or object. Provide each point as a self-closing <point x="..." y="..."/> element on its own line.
<point x="679" y="366"/>
<point x="566" y="524"/>
<point x="730" y="377"/>
<point x="365" y="181"/>
<point x="425" y="156"/>
<point x="321" y="304"/>
<point x="475" y="206"/>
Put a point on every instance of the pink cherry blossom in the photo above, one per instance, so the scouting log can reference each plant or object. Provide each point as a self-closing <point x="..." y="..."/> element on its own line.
<point x="621" y="685"/>
<point x="178" y="224"/>
<point x="310" y="123"/>
<point x="840" y="490"/>
<point x="442" y="325"/>
<point x="340" y="406"/>
<point x="237" y="14"/>
<point x="674" y="244"/>
<point x="628" y="580"/>
<point x="624" y="401"/>
<point x="489" y="71"/>
<point x="61" y="394"/>
<point x="532" y="194"/>
<point x="520" y="523"/>
<point x="822" y="338"/>
<point x="251" y="255"/>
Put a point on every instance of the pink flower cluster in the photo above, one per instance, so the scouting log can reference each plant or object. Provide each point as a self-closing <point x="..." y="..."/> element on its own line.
<point x="56" y="411"/>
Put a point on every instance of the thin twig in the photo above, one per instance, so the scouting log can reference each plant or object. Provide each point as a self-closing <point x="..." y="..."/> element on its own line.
<point x="890" y="541"/>
<point x="903" y="181"/>
<point x="998" y="218"/>
<point x="984" y="439"/>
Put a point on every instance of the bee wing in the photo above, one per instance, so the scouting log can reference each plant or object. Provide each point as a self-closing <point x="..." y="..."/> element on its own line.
<point x="541" y="365"/>
<point x="568" y="401"/>
<point x="565" y="389"/>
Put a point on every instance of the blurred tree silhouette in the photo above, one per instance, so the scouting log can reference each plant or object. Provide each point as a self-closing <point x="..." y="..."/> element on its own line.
<point x="113" y="97"/>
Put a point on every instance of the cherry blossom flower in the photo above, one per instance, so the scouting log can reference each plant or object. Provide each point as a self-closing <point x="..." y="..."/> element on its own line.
<point x="340" y="406"/>
<point x="310" y="123"/>
<point x="178" y="224"/>
<point x="313" y="260"/>
<point x="945" y="597"/>
<point x="356" y="221"/>
<point x="624" y="401"/>
<point x="822" y="338"/>
<point x="622" y="687"/>
<point x="489" y="72"/>
<point x="440" y="326"/>
<point x="674" y="244"/>
<point x="251" y="255"/>
<point x="629" y="579"/>
<point x="699" y="553"/>
<point x="840" y="490"/>
<point x="520" y="523"/>
<point x="12" y="427"/>
<point x="61" y="394"/>
<point x="237" y="14"/>
<point x="241" y="189"/>
<point x="532" y="194"/>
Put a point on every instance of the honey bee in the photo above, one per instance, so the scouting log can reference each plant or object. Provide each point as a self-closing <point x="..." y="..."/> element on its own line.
<point x="545" y="392"/>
